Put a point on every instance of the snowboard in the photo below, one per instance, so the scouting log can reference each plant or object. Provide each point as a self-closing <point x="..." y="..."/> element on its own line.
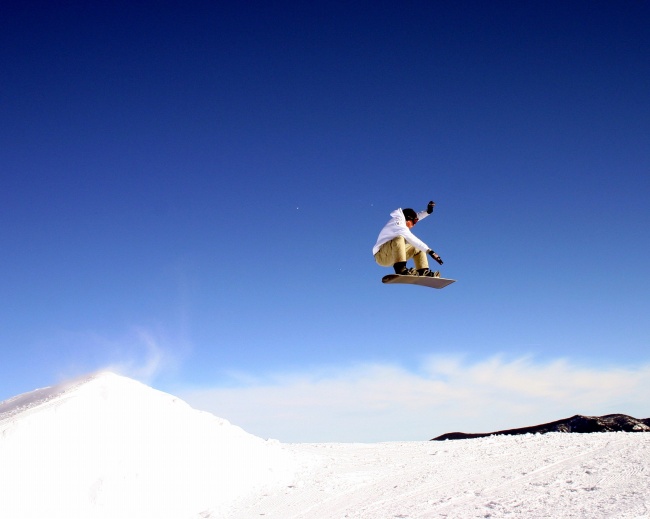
<point x="423" y="281"/>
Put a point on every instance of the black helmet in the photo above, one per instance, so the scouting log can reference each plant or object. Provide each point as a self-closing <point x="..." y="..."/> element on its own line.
<point x="410" y="214"/>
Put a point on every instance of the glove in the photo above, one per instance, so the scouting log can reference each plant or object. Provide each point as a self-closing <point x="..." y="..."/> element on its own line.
<point x="430" y="207"/>
<point x="434" y="256"/>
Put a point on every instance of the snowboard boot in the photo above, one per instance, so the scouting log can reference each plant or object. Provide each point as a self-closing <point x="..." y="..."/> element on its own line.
<point x="429" y="273"/>
<point x="400" y="268"/>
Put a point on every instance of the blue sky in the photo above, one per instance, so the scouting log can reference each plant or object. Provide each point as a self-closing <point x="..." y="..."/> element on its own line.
<point x="191" y="192"/>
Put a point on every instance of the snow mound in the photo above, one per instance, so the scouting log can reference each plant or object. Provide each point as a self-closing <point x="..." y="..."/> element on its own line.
<point x="109" y="447"/>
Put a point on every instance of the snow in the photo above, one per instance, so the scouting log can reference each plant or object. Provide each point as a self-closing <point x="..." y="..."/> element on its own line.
<point x="555" y="475"/>
<point x="109" y="447"/>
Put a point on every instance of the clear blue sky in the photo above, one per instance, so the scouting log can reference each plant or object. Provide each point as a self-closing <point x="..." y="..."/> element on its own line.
<point x="191" y="192"/>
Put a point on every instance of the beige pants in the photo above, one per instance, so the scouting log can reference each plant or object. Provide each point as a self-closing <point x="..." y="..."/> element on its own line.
<point x="398" y="249"/>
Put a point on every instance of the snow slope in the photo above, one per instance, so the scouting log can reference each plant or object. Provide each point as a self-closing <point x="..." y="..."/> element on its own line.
<point x="110" y="447"/>
<point x="557" y="475"/>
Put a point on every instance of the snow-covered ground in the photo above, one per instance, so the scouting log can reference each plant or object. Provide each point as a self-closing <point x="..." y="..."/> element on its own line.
<point x="555" y="475"/>
<point x="109" y="447"/>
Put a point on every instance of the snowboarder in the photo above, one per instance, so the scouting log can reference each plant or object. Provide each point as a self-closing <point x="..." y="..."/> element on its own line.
<point x="396" y="244"/>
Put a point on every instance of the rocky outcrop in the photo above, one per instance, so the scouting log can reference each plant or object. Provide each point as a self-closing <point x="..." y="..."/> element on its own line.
<point x="575" y="424"/>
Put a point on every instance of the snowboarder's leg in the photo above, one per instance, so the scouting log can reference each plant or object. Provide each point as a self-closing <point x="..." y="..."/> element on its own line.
<point x="422" y="265"/>
<point x="394" y="253"/>
<point x="391" y="252"/>
<point x="421" y="262"/>
<point x="420" y="258"/>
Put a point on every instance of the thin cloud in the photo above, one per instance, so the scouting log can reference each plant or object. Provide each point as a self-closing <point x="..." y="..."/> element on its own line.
<point x="142" y="354"/>
<point x="382" y="402"/>
<point x="146" y="360"/>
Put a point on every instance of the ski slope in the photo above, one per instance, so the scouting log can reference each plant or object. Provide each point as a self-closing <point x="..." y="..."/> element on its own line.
<point x="109" y="447"/>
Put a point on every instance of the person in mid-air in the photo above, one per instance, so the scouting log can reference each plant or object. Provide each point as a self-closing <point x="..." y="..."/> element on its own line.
<point x="396" y="244"/>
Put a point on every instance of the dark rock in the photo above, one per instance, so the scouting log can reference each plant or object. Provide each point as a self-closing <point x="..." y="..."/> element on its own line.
<point x="575" y="424"/>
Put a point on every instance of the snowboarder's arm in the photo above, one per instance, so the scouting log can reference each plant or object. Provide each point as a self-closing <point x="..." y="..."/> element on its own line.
<point x="435" y="256"/>
<point x="413" y="239"/>
<point x="426" y="212"/>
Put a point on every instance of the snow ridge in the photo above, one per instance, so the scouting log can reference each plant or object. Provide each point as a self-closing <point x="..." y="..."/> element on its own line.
<point x="106" y="446"/>
<point x="27" y="401"/>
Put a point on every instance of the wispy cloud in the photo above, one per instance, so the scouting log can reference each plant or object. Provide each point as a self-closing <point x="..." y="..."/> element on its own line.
<point x="379" y="402"/>
<point x="140" y="353"/>
<point x="145" y="359"/>
<point x="143" y="352"/>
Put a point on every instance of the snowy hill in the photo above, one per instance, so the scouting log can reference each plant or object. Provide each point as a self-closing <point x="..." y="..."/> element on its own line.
<point x="111" y="448"/>
<point x="107" y="446"/>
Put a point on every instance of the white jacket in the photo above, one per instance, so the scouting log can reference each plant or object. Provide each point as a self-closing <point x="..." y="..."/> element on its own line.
<point x="395" y="227"/>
